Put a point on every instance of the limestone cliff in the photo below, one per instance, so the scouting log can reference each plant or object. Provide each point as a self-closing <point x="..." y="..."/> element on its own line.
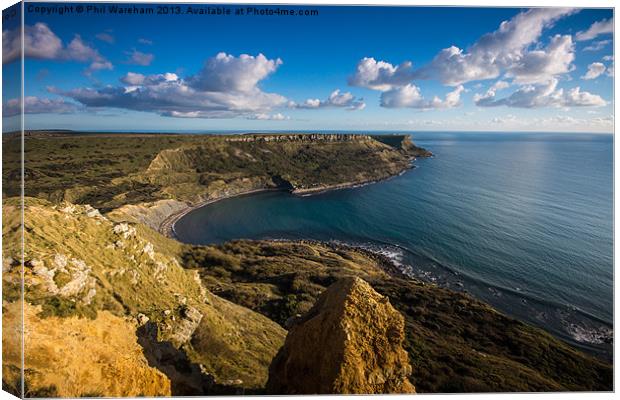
<point x="351" y="342"/>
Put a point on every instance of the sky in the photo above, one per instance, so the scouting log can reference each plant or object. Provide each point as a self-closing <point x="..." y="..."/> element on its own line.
<point x="342" y="68"/>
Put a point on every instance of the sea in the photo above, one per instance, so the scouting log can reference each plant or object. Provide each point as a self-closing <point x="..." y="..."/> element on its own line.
<point x="522" y="221"/>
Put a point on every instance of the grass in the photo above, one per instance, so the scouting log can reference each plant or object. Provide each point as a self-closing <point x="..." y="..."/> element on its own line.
<point x="232" y="342"/>
<point x="108" y="171"/>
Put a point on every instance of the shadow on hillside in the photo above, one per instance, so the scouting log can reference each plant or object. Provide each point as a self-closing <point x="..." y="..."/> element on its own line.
<point x="186" y="378"/>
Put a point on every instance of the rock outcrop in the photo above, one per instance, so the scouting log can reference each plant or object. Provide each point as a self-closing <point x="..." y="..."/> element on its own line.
<point x="349" y="342"/>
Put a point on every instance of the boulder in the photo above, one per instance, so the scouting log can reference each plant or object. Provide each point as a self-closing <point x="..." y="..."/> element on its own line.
<point x="350" y="342"/>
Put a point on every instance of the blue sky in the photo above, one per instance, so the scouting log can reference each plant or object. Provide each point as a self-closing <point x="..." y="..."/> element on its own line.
<point x="357" y="68"/>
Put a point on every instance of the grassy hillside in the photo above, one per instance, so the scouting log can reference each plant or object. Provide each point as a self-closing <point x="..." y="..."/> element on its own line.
<point x="455" y="342"/>
<point x="81" y="267"/>
<point x="112" y="170"/>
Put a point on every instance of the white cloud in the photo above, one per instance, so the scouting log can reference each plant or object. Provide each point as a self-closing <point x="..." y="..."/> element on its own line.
<point x="139" y="58"/>
<point x="598" y="28"/>
<point x="214" y="92"/>
<point x="504" y="119"/>
<point x="481" y="99"/>
<point x="134" y="79"/>
<point x="514" y="51"/>
<point x="542" y="95"/>
<point x="225" y="72"/>
<point x="145" y="41"/>
<point x="539" y="66"/>
<point x="506" y="49"/>
<point x="598" y="45"/>
<point x="595" y="70"/>
<point x="79" y="51"/>
<point x="37" y="105"/>
<point x="41" y="43"/>
<point x="335" y="99"/>
<point x="409" y="96"/>
<point x="381" y="75"/>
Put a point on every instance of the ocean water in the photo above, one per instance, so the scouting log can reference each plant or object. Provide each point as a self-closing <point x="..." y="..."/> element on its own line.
<point x="522" y="221"/>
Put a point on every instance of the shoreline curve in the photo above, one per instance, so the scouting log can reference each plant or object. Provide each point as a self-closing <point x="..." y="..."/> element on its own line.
<point x="167" y="229"/>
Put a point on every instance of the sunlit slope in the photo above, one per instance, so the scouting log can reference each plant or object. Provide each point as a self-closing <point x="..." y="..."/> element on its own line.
<point x="83" y="272"/>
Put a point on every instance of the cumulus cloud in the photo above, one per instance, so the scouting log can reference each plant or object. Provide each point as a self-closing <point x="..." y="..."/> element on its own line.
<point x="134" y="79"/>
<point x="409" y="96"/>
<point x="514" y="51"/>
<point x="215" y="92"/>
<point x="595" y="70"/>
<point x="596" y="29"/>
<point x="543" y="95"/>
<point x="225" y="72"/>
<point x="41" y="43"/>
<point x="139" y="58"/>
<point x="507" y="49"/>
<point x="598" y="45"/>
<point x="37" y="105"/>
<point x="541" y="65"/>
<point x="381" y="75"/>
<point x="336" y="99"/>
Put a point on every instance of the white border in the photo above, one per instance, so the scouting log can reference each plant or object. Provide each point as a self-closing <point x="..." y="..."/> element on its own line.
<point x="478" y="3"/>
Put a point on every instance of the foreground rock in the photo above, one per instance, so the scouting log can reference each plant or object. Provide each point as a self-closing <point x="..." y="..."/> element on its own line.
<point x="349" y="342"/>
<point x="78" y="357"/>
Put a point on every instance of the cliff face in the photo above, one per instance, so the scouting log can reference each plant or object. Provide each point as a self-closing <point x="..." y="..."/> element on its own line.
<point x="310" y="137"/>
<point x="350" y="342"/>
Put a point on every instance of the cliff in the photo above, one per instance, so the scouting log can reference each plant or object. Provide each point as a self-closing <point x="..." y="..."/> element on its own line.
<point x="350" y="342"/>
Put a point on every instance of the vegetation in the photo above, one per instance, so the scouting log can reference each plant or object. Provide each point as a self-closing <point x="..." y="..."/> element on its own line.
<point x="124" y="280"/>
<point x="111" y="170"/>
<point x="455" y="342"/>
